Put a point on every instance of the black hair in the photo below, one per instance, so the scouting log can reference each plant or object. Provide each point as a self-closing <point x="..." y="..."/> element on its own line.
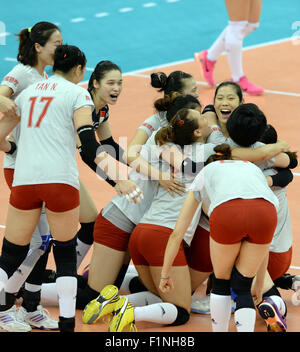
<point x="171" y="83"/>
<point x="269" y="135"/>
<point x="236" y="87"/>
<point x="40" y="33"/>
<point x="246" y="124"/>
<point x="180" y="129"/>
<point x="182" y="101"/>
<point x="223" y="152"/>
<point x="99" y="72"/>
<point x="66" y="57"/>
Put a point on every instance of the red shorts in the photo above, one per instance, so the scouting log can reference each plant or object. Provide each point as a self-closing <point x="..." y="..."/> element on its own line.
<point x="109" y="235"/>
<point x="279" y="263"/>
<point x="9" y="176"/>
<point x="148" y="243"/>
<point x="198" y="254"/>
<point x="58" y="197"/>
<point x="254" y="220"/>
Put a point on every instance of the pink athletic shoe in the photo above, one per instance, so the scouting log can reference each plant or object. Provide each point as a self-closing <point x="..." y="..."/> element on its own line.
<point x="249" y="87"/>
<point x="206" y="66"/>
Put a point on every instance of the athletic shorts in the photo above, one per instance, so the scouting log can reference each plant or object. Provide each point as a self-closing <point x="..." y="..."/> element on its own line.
<point x="9" y="176"/>
<point x="279" y="263"/>
<point x="198" y="253"/>
<point x="58" y="197"/>
<point x="109" y="235"/>
<point x="253" y="220"/>
<point x="147" y="246"/>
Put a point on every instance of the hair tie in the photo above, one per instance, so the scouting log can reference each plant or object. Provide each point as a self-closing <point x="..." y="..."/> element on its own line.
<point x="219" y="153"/>
<point x="29" y="30"/>
<point x="181" y="122"/>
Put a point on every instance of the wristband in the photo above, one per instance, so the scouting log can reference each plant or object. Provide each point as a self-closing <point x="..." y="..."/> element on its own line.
<point x="13" y="148"/>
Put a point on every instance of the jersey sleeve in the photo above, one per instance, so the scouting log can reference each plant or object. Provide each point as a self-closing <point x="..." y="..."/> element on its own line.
<point x="15" y="79"/>
<point x="150" y="125"/>
<point x="216" y="135"/>
<point x="101" y="117"/>
<point x="82" y="99"/>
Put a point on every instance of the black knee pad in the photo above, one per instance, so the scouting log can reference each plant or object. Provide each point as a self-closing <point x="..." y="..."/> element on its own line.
<point x="12" y="256"/>
<point x="36" y="275"/>
<point x="220" y="286"/>
<point x="183" y="316"/>
<point x="84" y="296"/>
<point x="135" y="285"/>
<point x="241" y="289"/>
<point x="120" y="278"/>
<point x="85" y="234"/>
<point x="65" y="257"/>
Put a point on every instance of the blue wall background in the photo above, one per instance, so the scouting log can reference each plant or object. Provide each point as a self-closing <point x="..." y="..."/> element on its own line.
<point x="147" y="33"/>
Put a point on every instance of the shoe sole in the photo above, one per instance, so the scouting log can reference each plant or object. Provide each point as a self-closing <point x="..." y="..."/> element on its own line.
<point x="122" y="310"/>
<point x="268" y="313"/>
<point x="96" y="314"/>
<point x="11" y="329"/>
<point x="199" y="61"/>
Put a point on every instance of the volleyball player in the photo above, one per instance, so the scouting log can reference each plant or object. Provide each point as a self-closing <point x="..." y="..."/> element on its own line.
<point x="51" y="112"/>
<point x="105" y="86"/>
<point x="238" y="248"/>
<point x="36" y="51"/>
<point x="243" y="20"/>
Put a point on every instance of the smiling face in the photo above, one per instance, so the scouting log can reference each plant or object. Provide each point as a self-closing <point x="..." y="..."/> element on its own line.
<point x="45" y="53"/>
<point x="109" y="88"/>
<point x="190" y="87"/>
<point x="203" y="129"/>
<point x="226" y="100"/>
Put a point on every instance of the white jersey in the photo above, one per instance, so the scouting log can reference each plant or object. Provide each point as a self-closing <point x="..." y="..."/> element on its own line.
<point x="217" y="137"/>
<point x="19" y="78"/>
<point x="282" y="239"/>
<point x="47" y="144"/>
<point x="134" y="212"/>
<point x="221" y="181"/>
<point x="165" y="209"/>
<point x="151" y="153"/>
<point x="154" y="123"/>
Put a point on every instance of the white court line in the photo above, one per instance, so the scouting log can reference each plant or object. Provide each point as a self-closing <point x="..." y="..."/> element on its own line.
<point x="137" y="73"/>
<point x="205" y="84"/>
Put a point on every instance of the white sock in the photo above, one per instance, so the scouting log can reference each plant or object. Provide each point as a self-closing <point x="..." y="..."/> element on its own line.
<point x="234" y="45"/>
<point x="279" y="304"/>
<point x="217" y="47"/>
<point x="251" y="26"/>
<point x="21" y="274"/>
<point x="3" y="281"/>
<point x="144" y="298"/>
<point x="49" y="295"/>
<point x="32" y="287"/>
<point x="66" y="290"/>
<point x="81" y="250"/>
<point x="126" y="281"/>
<point x="245" y="319"/>
<point x="160" y="313"/>
<point x="220" y="311"/>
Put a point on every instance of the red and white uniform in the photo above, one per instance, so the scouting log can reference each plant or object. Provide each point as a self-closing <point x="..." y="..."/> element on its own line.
<point x="237" y="190"/>
<point x="47" y="144"/>
<point x="19" y="78"/>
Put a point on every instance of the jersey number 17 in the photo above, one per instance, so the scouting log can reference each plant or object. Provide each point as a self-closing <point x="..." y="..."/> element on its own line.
<point x="33" y="100"/>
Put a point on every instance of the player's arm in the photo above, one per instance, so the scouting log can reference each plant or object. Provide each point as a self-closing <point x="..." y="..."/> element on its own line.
<point x="187" y="212"/>
<point x="108" y="143"/>
<point x="89" y="145"/>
